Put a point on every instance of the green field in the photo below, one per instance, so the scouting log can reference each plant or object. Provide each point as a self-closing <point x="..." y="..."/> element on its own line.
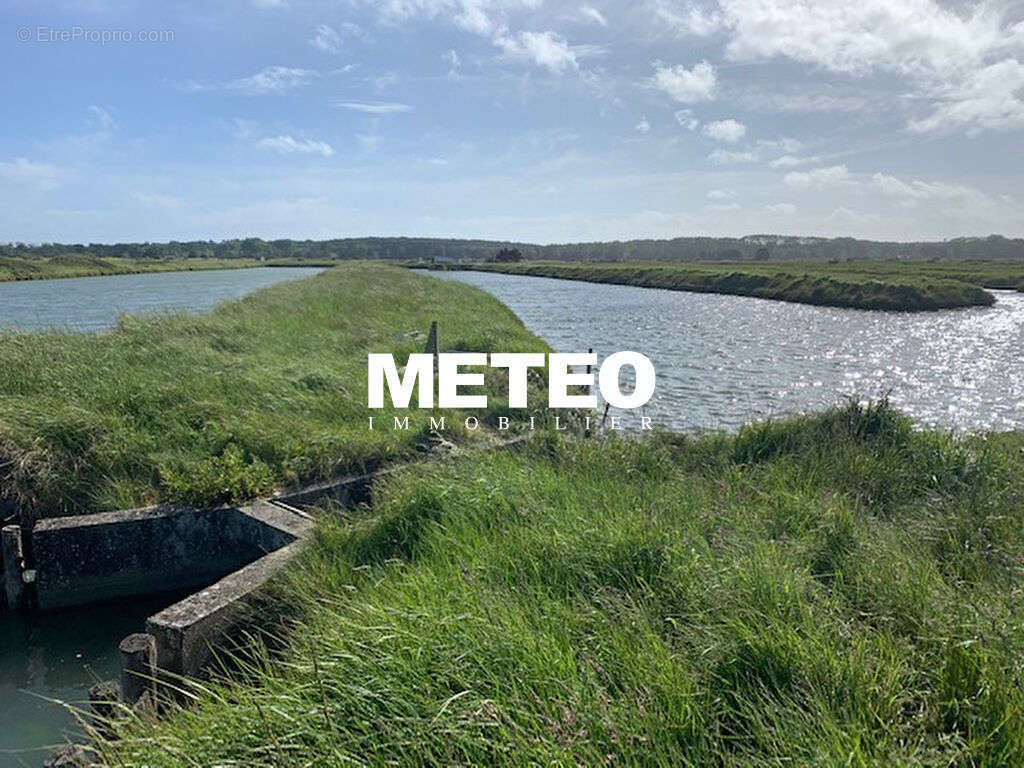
<point x="84" y="265"/>
<point x="831" y="590"/>
<point x="212" y="407"/>
<point x="902" y="286"/>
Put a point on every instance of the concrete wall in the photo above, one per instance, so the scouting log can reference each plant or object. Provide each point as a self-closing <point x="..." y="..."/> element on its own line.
<point x="188" y="632"/>
<point x="110" y="555"/>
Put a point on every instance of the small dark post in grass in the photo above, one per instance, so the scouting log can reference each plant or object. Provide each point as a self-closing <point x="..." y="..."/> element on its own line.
<point x="14" y="561"/>
<point x="138" y="667"/>
<point x="433" y="342"/>
<point x="590" y="351"/>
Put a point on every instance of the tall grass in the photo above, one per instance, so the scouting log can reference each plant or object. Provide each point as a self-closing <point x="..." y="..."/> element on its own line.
<point x="213" y="407"/>
<point x="831" y="590"/>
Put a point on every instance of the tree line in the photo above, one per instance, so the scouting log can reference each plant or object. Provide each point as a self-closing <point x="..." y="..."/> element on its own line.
<point x="752" y="247"/>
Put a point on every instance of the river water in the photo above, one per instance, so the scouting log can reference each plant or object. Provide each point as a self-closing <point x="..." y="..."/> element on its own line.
<point x="93" y="303"/>
<point x="722" y="361"/>
<point x="48" y="662"/>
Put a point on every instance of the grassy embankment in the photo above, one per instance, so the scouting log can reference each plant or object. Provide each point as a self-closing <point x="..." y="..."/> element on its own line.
<point x="81" y="265"/>
<point x="831" y="590"/>
<point x="911" y="287"/>
<point x="211" y="407"/>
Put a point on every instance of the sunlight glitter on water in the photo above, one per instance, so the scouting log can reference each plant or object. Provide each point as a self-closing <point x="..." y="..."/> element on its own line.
<point x="726" y="360"/>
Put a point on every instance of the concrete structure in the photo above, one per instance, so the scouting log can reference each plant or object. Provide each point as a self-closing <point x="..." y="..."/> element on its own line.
<point x="12" y="552"/>
<point x="187" y="633"/>
<point x="138" y="667"/>
<point x="110" y="555"/>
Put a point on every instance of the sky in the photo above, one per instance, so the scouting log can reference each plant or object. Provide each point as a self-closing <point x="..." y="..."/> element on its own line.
<point x="527" y="120"/>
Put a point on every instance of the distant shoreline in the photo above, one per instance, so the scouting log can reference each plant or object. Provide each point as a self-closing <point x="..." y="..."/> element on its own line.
<point x="862" y="285"/>
<point x="60" y="268"/>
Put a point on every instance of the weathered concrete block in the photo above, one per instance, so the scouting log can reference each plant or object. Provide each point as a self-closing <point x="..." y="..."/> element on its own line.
<point x="187" y="632"/>
<point x="111" y="555"/>
<point x="348" y="492"/>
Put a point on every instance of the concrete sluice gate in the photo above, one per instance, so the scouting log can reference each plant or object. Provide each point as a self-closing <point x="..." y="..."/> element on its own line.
<point x="225" y="553"/>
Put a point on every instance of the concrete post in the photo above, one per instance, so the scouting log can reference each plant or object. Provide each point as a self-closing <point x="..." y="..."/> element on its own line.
<point x="590" y="391"/>
<point x="138" y="667"/>
<point x="13" y="564"/>
<point x="433" y="342"/>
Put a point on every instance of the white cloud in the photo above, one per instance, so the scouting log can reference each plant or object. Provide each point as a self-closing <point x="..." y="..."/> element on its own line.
<point x="326" y="39"/>
<point x="590" y="13"/>
<point x="686" y="119"/>
<point x="685" y="85"/>
<point x="375" y="107"/>
<point x="286" y="144"/>
<point x="783" y="208"/>
<point x="907" y="193"/>
<point x="269" y="5"/>
<point x="965" y="61"/>
<point x="451" y="58"/>
<point x="729" y="131"/>
<point x="24" y="172"/>
<point x="807" y="97"/>
<point x="545" y="49"/>
<point x="489" y="18"/>
<point x="786" y="161"/>
<point x="643" y="126"/>
<point x="688" y="20"/>
<point x="909" y="37"/>
<point x="920" y="190"/>
<point x="723" y="207"/>
<point x="721" y="194"/>
<point x="482" y="17"/>
<point x="987" y="99"/>
<point x="727" y="157"/>
<point x="818" y="178"/>
<point x="274" y="79"/>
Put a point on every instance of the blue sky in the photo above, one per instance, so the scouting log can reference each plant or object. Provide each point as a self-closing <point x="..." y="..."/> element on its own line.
<point x="528" y="120"/>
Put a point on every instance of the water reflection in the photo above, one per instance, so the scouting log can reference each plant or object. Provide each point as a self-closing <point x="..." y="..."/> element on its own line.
<point x="58" y="656"/>
<point x="725" y="360"/>
<point x="93" y="303"/>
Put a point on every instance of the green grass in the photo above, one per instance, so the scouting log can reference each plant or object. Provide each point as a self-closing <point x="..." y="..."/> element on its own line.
<point x="84" y="265"/>
<point x="830" y="590"/>
<point x="918" y="286"/>
<point x="213" y="407"/>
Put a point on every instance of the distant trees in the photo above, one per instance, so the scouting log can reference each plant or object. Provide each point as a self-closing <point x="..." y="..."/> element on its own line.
<point x="754" y="247"/>
<point x="507" y="255"/>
